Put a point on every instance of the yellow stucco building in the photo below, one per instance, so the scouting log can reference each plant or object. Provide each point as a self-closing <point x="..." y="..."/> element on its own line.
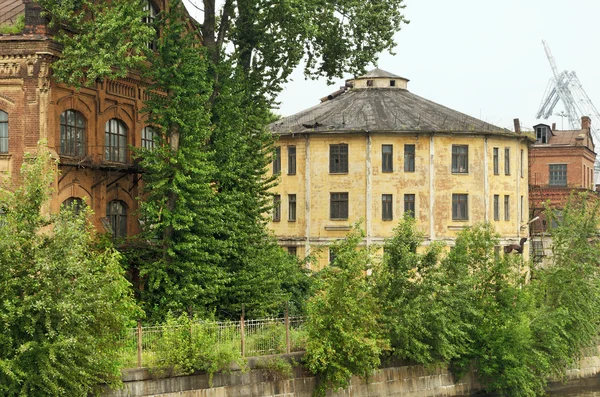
<point x="373" y="151"/>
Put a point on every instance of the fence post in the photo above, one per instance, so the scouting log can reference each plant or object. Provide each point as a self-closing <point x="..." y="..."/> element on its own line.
<point x="243" y="341"/>
<point x="139" y="343"/>
<point x="287" y="328"/>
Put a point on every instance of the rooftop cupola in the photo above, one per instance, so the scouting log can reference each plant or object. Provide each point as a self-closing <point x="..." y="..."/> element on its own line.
<point x="378" y="78"/>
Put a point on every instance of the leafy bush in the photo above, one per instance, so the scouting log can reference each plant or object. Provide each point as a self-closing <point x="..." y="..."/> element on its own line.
<point x="14" y="27"/>
<point x="275" y="368"/>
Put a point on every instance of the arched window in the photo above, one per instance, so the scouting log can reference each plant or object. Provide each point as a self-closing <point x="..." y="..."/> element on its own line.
<point x="3" y="132"/>
<point x="115" y="141"/>
<point x="75" y="203"/>
<point x="72" y="133"/>
<point x="116" y="212"/>
<point x="148" y="135"/>
<point x="151" y="12"/>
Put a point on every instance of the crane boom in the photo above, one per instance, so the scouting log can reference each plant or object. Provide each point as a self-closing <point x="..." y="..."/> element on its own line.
<point x="550" y="58"/>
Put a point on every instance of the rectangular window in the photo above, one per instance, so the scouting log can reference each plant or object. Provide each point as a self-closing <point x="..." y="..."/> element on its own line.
<point x="409" y="205"/>
<point x="331" y="255"/>
<point x="292" y="251"/>
<point x="507" y="161"/>
<point x="496" y="161"/>
<point x="338" y="159"/>
<point x="460" y="207"/>
<point x="291" y="207"/>
<point x="338" y="208"/>
<point x="276" y="208"/>
<point x="387" y="156"/>
<point x="507" y="208"/>
<point x="460" y="159"/>
<point x="522" y="162"/>
<point x="496" y="207"/>
<point x="291" y="160"/>
<point x="558" y="174"/>
<point x="386" y="207"/>
<point x="277" y="160"/>
<point x="409" y="158"/>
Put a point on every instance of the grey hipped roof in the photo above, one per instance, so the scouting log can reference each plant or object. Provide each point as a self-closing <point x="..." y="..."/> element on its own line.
<point x="381" y="109"/>
<point x="380" y="73"/>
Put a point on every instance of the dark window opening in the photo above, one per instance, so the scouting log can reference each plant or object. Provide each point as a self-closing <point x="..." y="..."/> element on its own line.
<point x="150" y="18"/>
<point x="460" y="207"/>
<point x="507" y="208"/>
<point x="116" y="212"/>
<point x="115" y="141"/>
<point x="541" y="134"/>
<point x="149" y="136"/>
<point x="277" y="160"/>
<point x="460" y="159"/>
<point x="507" y="161"/>
<point x="392" y="83"/>
<point x="74" y="204"/>
<point x="291" y="207"/>
<point x="409" y="158"/>
<point x="338" y="206"/>
<point x="332" y="256"/>
<point x="496" y="207"/>
<point x="496" y="161"/>
<point x="291" y="160"/>
<point x="338" y="158"/>
<point x="369" y="83"/>
<point x="409" y="205"/>
<point x="387" y="213"/>
<point x="72" y="133"/>
<point x="387" y="158"/>
<point x="276" y="208"/>
<point x="292" y="251"/>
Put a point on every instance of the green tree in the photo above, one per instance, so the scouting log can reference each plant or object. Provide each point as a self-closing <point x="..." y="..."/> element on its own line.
<point x="64" y="303"/>
<point x="344" y="337"/>
<point x="421" y="305"/>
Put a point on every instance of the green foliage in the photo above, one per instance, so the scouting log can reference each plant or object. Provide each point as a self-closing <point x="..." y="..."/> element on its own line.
<point x="344" y="337"/>
<point x="275" y="368"/>
<point x="421" y="304"/>
<point x="64" y="303"/>
<point x="15" y="27"/>
<point x="187" y="346"/>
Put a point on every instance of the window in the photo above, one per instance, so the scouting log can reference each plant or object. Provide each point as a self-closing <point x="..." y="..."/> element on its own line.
<point x="460" y="207"/>
<point x="409" y="204"/>
<point x="558" y="174"/>
<point x="73" y="203"/>
<point x="332" y="255"/>
<point x="522" y="162"/>
<point x="387" y="156"/>
<point x="115" y="141"/>
<point x="292" y="251"/>
<point x="409" y="158"/>
<point x="291" y="160"/>
<point x="496" y="161"/>
<point x="496" y="207"/>
<point x="151" y="12"/>
<point x="541" y="134"/>
<point x="116" y="212"/>
<point x="507" y="161"/>
<point x="277" y="160"/>
<point x="149" y="136"/>
<point x="72" y="133"/>
<point x="369" y="83"/>
<point x="3" y="132"/>
<point x="392" y="83"/>
<point x="507" y="208"/>
<point x="338" y="159"/>
<point x="338" y="208"/>
<point x="460" y="159"/>
<point x="386" y="207"/>
<point x="276" y="208"/>
<point x="291" y="207"/>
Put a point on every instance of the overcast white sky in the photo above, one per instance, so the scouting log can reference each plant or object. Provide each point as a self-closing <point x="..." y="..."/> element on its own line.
<point x="482" y="57"/>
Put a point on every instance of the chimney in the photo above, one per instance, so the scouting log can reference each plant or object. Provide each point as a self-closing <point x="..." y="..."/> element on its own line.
<point x="553" y="126"/>
<point x="517" y="126"/>
<point x="586" y="123"/>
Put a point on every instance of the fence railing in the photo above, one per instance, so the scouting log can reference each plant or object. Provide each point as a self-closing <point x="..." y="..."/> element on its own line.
<point x="249" y="337"/>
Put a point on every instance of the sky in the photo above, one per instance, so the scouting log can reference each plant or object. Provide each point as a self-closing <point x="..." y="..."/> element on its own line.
<point x="481" y="57"/>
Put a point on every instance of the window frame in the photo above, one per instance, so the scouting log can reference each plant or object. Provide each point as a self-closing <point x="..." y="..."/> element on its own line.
<point x="117" y="221"/>
<point x="410" y="201"/>
<point x="460" y="207"/>
<point x="72" y="139"/>
<point x="4" y="132"/>
<point x="387" y="158"/>
<point x="541" y="134"/>
<point x="150" y="18"/>
<point x="338" y="206"/>
<point x="507" y="207"/>
<point x="496" y="207"/>
<point x="291" y="160"/>
<point x="557" y="177"/>
<point x="506" y="161"/>
<point x="121" y="140"/>
<point x="76" y="202"/>
<point x="292" y="208"/>
<point x="338" y="158"/>
<point x="409" y="157"/>
<point x="277" y="160"/>
<point x="276" y="208"/>
<point x="387" y="207"/>
<point x="460" y="158"/>
<point x="496" y="152"/>
<point x="149" y="143"/>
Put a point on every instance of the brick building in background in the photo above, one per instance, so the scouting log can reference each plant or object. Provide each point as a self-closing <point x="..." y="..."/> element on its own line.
<point x="89" y="130"/>
<point x="560" y="163"/>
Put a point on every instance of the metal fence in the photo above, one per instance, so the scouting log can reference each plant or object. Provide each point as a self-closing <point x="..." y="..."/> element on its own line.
<point x="249" y="337"/>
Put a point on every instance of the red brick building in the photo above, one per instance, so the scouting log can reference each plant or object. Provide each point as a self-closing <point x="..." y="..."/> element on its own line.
<point x="560" y="162"/>
<point x="90" y="131"/>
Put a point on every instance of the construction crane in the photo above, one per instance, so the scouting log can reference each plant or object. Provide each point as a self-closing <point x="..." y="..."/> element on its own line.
<point x="565" y="87"/>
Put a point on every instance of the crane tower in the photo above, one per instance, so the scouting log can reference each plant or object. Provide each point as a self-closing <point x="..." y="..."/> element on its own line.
<point x="565" y="87"/>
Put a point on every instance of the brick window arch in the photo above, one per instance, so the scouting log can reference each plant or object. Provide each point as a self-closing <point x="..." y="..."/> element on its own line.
<point x="3" y="132"/>
<point x="72" y="133"/>
<point x="116" y="212"/>
<point x="115" y="141"/>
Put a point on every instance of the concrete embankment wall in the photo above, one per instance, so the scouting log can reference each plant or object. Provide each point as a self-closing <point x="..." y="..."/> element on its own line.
<point x="397" y="379"/>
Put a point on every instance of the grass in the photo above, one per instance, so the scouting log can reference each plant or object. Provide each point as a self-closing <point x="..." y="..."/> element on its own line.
<point x="13" y="27"/>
